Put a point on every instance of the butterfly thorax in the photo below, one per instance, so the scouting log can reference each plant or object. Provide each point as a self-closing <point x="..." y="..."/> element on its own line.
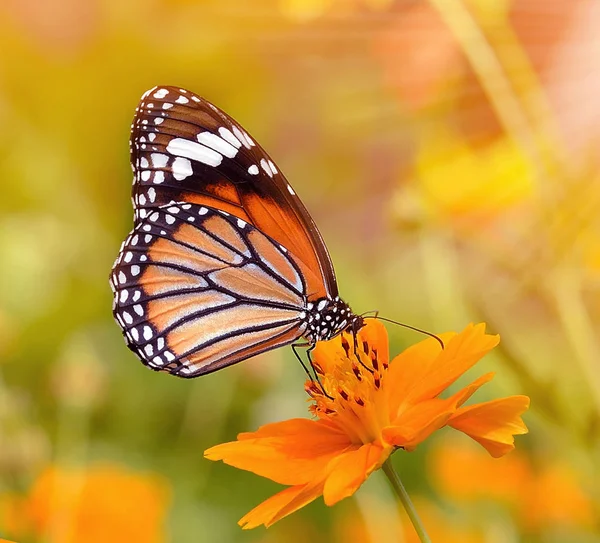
<point x="327" y="317"/>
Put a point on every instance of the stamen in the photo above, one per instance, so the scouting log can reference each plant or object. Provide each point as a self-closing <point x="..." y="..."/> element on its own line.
<point x="312" y="389"/>
<point x="377" y="380"/>
<point x="365" y="347"/>
<point x="359" y="401"/>
<point x="374" y="362"/>
<point x="356" y="371"/>
<point x="343" y="394"/>
<point x="318" y="369"/>
<point x="346" y="346"/>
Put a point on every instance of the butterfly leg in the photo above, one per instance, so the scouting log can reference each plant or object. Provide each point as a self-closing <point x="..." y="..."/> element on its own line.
<point x="297" y="355"/>
<point x="315" y="376"/>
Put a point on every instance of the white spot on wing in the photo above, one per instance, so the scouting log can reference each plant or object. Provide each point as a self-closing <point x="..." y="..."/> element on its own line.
<point x="182" y="100"/>
<point x="161" y="93"/>
<point x="242" y="137"/>
<point x="253" y="170"/>
<point x="159" y="160"/>
<point x="218" y="144"/>
<point x="181" y="168"/>
<point x="265" y="166"/>
<point x="226" y="134"/>
<point x="189" y="149"/>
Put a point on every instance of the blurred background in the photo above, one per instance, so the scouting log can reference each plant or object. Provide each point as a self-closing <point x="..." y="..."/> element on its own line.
<point x="448" y="150"/>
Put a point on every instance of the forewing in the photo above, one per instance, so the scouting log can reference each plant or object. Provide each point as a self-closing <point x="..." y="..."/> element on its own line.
<point x="183" y="148"/>
<point x="197" y="289"/>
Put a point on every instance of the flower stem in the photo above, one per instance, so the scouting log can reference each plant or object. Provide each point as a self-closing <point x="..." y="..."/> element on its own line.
<point x="404" y="498"/>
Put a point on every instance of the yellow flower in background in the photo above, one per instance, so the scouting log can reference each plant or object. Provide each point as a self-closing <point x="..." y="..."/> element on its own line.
<point x="370" y="408"/>
<point x="456" y="180"/>
<point x="308" y="10"/>
<point x="98" y="504"/>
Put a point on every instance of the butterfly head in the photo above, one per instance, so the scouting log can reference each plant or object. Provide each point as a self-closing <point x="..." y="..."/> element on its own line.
<point x="328" y="317"/>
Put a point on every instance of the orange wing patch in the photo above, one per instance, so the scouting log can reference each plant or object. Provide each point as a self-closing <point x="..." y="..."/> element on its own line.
<point x="160" y="280"/>
<point x="217" y="203"/>
<point x="190" y="235"/>
<point x="249" y="281"/>
<point x="164" y="312"/>
<point x="275" y="259"/>
<point x="229" y="321"/>
<point x="235" y="349"/>
<point x="283" y="226"/>
<point x="224" y="231"/>
<point x="224" y="191"/>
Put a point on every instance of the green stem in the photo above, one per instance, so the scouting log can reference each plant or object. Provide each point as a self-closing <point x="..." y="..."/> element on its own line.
<point x="404" y="498"/>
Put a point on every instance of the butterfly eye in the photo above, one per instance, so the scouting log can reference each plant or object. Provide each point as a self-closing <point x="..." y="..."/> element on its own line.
<point x="224" y="261"/>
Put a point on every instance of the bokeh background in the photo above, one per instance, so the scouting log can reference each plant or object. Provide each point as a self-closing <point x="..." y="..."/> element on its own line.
<point x="448" y="150"/>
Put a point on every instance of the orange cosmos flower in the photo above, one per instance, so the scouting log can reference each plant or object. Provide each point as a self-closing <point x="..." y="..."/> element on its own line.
<point x="98" y="503"/>
<point x="371" y="408"/>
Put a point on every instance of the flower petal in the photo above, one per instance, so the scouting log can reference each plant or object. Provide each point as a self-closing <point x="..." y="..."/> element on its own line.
<point x="418" y="422"/>
<point x="351" y="470"/>
<point x="281" y="505"/>
<point x="425" y="370"/>
<point x="290" y="452"/>
<point x="493" y="424"/>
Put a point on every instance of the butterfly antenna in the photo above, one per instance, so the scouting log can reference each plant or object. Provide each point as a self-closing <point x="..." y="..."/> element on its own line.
<point x="408" y="326"/>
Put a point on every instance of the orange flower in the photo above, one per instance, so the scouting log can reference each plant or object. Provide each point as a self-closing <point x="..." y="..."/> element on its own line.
<point x="97" y="504"/>
<point x="540" y="494"/>
<point x="370" y="409"/>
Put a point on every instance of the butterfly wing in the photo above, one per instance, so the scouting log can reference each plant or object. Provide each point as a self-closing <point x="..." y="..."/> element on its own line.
<point x="197" y="289"/>
<point x="183" y="148"/>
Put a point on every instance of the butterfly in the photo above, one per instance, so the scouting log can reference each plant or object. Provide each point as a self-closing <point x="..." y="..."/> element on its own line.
<point x="224" y="261"/>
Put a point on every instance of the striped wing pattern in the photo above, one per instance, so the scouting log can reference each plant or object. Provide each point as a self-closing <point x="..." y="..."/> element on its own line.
<point x="196" y="289"/>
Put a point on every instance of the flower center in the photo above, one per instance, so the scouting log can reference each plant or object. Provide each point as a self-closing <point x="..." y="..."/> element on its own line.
<point x="350" y="389"/>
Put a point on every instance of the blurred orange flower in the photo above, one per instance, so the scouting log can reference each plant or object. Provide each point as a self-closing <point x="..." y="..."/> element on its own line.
<point x="442" y="527"/>
<point x="549" y="494"/>
<point x="97" y="504"/>
<point x="369" y="409"/>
